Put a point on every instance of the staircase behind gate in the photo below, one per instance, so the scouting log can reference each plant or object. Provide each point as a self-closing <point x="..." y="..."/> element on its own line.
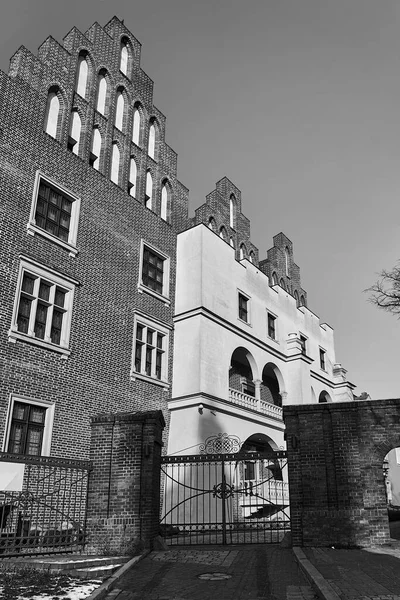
<point x="225" y="498"/>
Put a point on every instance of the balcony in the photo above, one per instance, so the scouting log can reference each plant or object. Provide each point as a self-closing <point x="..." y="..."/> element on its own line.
<point x="255" y="404"/>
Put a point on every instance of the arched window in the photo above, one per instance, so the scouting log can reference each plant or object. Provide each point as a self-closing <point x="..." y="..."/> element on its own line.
<point x="101" y="94"/>
<point x="222" y="233"/>
<point x="136" y="126"/>
<point x="94" y="160"/>
<point x="274" y="278"/>
<point x="152" y="140"/>
<point x="211" y="224"/>
<point x="119" y="113"/>
<point x="232" y="207"/>
<point x="165" y="203"/>
<point x="282" y="284"/>
<point x="115" y="159"/>
<point x="302" y="300"/>
<point x="124" y="57"/>
<point x="75" y="132"/>
<point x="52" y="114"/>
<point x="231" y="242"/>
<point x="242" y="251"/>
<point x="82" y="75"/>
<point x="132" y="178"/>
<point x="149" y="190"/>
<point x="252" y="256"/>
<point x="287" y="258"/>
<point x="296" y="297"/>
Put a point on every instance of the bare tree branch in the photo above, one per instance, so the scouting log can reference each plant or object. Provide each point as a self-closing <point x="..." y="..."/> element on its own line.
<point x="385" y="293"/>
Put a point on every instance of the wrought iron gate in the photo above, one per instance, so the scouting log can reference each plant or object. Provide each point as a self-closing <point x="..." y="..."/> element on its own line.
<point x="225" y="498"/>
<point x="42" y="504"/>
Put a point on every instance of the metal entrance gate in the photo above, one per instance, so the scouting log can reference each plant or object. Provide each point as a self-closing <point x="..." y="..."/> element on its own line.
<point x="225" y="498"/>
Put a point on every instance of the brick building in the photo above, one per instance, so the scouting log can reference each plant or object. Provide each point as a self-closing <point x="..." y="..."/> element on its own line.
<point x="93" y="220"/>
<point x="90" y="209"/>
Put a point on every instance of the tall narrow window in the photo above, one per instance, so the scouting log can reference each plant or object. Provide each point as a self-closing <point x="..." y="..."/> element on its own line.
<point x="296" y="297"/>
<point x="75" y="133"/>
<point x="94" y="159"/>
<point x="165" y="208"/>
<point x="149" y="190"/>
<point x="252" y="256"/>
<point x="52" y="114"/>
<point x="231" y="242"/>
<point x="322" y="360"/>
<point x="211" y="224"/>
<point x="150" y="351"/>
<point x="222" y="233"/>
<point x="119" y="113"/>
<point x="242" y="251"/>
<point x="282" y="284"/>
<point x="274" y="278"/>
<point x="132" y="178"/>
<point x="136" y="126"/>
<point x="243" y="308"/>
<point x="123" y="65"/>
<point x="303" y="344"/>
<point x="271" y="326"/>
<point x="115" y="158"/>
<point x="232" y="211"/>
<point x="101" y="94"/>
<point x="82" y="76"/>
<point x="152" y="140"/>
<point x="287" y="258"/>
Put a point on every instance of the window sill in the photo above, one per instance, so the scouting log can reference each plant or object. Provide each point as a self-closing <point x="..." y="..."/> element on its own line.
<point x="141" y="377"/>
<point x="272" y="339"/>
<point x="143" y="289"/>
<point x="244" y="322"/>
<point x="13" y="336"/>
<point x="33" y="229"/>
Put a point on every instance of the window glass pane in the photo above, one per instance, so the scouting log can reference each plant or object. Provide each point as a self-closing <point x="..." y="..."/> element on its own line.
<point x="37" y="414"/>
<point x="59" y="297"/>
<point x="16" y="438"/>
<point x="139" y="332"/>
<point x="150" y="336"/>
<point x="40" y="321"/>
<point x="56" y="326"/>
<point x="158" y="364"/>
<point x="138" y="357"/>
<point x="44" y="290"/>
<point x="28" y="283"/>
<point x="34" y="441"/>
<point x="24" y="312"/>
<point x="148" y="361"/>
<point x="159" y="340"/>
<point x="55" y="198"/>
<point x="20" y="411"/>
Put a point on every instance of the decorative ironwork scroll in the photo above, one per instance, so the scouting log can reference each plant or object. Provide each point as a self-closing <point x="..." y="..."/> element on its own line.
<point x="222" y="443"/>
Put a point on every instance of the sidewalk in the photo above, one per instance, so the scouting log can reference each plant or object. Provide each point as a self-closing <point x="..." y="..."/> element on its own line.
<point x="257" y="572"/>
<point x="368" y="574"/>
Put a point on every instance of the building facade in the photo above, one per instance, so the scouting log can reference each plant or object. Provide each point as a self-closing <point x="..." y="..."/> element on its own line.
<point x="90" y="208"/>
<point x="107" y="285"/>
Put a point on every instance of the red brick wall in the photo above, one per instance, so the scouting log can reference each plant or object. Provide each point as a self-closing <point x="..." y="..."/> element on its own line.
<point x="96" y="376"/>
<point x="335" y="457"/>
<point x="124" y="485"/>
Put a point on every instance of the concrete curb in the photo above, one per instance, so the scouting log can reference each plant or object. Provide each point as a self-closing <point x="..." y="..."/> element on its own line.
<point x="110" y="583"/>
<point x="318" y="582"/>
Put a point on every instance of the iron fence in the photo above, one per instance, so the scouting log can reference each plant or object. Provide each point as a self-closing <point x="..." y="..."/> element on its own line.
<point x="225" y="498"/>
<point x="42" y="504"/>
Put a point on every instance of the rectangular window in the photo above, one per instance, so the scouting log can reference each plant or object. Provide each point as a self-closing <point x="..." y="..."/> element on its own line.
<point x="271" y="326"/>
<point x="243" y="308"/>
<point x="29" y="427"/>
<point x="322" y="360"/>
<point x="42" y="312"/>
<point x="303" y="344"/>
<point x="150" y="350"/>
<point x="154" y="272"/>
<point x="54" y="213"/>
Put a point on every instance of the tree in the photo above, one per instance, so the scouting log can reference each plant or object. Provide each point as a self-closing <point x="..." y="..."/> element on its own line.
<point x="385" y="293"/>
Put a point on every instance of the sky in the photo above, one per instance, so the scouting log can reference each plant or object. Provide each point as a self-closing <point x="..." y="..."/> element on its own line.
<point x="298" y="103"/>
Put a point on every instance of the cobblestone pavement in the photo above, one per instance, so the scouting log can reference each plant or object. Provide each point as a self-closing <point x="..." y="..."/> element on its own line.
<point x="370" y="574"/>
<point x="256" y="572"/>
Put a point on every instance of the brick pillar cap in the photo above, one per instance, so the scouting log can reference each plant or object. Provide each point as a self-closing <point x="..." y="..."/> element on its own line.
<point x="127" y="417"/>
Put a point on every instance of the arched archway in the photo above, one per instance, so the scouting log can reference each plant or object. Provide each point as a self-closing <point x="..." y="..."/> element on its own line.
<point x="324" y="397"/>
<point x="391" y="478"/>
<point x="242" y="371"/>
<point x="272" y="386"/>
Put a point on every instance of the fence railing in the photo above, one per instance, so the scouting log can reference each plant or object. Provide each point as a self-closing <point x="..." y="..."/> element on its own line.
<point x="255" y="404"/>
<point x="42" y="504"/>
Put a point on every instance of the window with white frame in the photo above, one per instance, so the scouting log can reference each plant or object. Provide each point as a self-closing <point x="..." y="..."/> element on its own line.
<point x="150" y="354"/>
<point x="271" y="326"/>
<point x="322" y="359"/>
<point x="54" y="213"/>
<point x="243" y="307"/>
<point x="29" y="426"/>
<point x="43" y="307"/>
<point x="154" y="272"/>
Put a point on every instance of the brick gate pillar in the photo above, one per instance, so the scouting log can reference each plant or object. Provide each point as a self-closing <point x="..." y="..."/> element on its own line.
<point x="124" y="486"/>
